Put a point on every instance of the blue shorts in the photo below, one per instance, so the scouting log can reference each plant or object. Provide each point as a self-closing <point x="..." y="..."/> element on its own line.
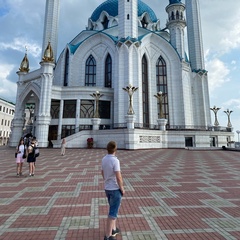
<point x="114" y="200"/>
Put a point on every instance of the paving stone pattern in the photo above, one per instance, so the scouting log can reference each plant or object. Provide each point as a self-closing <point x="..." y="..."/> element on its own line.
<point x="170" y="194"/>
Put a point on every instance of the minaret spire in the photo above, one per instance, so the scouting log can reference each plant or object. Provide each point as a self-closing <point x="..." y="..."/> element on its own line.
<point x="127" y="18"/>
<point x="50" y="33"/>
<point x="195" y="44"/>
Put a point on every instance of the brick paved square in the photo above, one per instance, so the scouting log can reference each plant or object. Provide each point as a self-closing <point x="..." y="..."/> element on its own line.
<point x="170" y="194"/>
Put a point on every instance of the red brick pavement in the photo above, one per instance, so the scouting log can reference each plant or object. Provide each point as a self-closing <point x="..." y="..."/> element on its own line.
<point x="170" y="194"/>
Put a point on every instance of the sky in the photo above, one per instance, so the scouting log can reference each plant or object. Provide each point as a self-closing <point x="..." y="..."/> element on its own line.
<point x="21" y="27"/>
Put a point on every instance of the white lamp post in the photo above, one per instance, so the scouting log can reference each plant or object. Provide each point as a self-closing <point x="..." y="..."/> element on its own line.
<point x="238" y="131"/>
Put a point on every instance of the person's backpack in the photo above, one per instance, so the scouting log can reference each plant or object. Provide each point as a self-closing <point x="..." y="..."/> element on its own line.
<point x="36" y="152"/>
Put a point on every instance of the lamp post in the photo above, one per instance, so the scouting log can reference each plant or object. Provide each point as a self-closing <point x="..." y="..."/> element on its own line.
<point x="96" y="96"/>
<point x="160" y="96"/>
<point x="228" y="114"/>
<point x="238" y="131"/>
<point x="215" y="110"/>
<point x="130" y="90"/>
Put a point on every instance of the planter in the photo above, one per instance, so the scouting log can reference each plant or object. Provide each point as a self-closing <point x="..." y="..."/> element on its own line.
<point x="90" y="143"/>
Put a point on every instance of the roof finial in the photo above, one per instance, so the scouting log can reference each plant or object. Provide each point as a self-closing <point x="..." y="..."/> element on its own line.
<point x="48" y="54"/>
<point x="24" y="67"/>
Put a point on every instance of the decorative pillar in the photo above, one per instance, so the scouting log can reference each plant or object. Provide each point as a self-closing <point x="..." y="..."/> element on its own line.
<point x="161" y="121"/>
<point x="215" y="110"/>
<point x="130" y="117"/>
<point x="96" y="122"/>
<point x="96" y="117"/>
<point x="229" y="125"/>
<point x="130" y="90"/>
<point x="96" y="96"/>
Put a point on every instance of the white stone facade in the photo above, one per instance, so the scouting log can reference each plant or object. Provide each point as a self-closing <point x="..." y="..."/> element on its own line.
<point x="117" y="52"/>
<point x="7" y="110"/>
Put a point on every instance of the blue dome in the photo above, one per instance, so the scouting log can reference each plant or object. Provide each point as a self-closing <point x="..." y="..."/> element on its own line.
<point x="111" y="7"/>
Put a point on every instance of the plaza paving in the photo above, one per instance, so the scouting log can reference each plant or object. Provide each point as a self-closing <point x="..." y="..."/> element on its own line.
<point x="170" y="194"/>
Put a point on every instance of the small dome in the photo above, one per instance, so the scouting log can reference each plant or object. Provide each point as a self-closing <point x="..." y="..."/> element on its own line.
<point x="111" y="7"/>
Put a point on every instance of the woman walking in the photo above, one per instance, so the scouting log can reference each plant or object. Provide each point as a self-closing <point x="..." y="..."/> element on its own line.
<point x="19" y="156"/>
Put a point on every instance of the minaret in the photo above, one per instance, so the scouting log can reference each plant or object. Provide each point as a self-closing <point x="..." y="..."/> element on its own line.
<point x="195" y="44"/>
<point x="50" y="33"/>
<point x="176" y="24"/>
<point x="127" y="18"/>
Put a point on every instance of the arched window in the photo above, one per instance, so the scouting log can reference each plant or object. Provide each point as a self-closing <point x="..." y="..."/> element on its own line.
<point x="108" y="71"/>
<point x="177" y="15"/>
<point x="90" y="72"/>
<point x="66" y="70"/>
<point x="161" y="77"/>
<point x="145" y="102"/>
<point x="105" y="22"/>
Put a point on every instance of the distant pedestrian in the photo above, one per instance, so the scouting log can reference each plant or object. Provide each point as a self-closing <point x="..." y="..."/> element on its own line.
<point x="113" y="185"/>
<point x="31" y="159"/>
<point x="63" y="146"/>
<point x="19" y="156"/>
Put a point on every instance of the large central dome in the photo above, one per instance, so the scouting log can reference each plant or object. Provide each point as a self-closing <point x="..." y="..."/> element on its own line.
<point x="111" y="7"/>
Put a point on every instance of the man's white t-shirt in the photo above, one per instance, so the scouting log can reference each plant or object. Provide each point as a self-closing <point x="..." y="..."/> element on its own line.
<point x="110" y="165"/>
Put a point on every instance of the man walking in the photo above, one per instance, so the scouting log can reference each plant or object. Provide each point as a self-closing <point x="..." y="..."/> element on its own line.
<point x="113" y="184"/>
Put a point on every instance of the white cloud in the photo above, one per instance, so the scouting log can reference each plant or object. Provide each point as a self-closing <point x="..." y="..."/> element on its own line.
<point x="18" y="44"/>
<point x="7" y="88"/>
<point x="218" y="73"/>
<point x="221" y="25"/>
<point x="233" y="103"/>
<point x="231" y="40"/>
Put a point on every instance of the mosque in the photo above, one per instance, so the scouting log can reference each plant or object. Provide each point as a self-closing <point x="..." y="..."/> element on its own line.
<point x="123" y="78"/>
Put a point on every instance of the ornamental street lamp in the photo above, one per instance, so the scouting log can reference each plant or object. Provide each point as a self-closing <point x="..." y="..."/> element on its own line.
<point x="238" y="134"/>
<point x="96" y="96"/>
<point x="228" y="114"/>
<point x="160" y="96"/>
<point x="130" y="90"/>
<point x="215" y="110"/>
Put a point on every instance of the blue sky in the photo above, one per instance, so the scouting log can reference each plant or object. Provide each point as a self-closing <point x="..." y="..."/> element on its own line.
<point x="21" y="25"/>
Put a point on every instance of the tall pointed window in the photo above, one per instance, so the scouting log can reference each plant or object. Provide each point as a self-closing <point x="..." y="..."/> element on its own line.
<point x="66" y="70"/>
<point x="108" y="71"/>
<point x="145" y="92"/>
<point x="90" y="72"/>
<point x="161" y="76"/>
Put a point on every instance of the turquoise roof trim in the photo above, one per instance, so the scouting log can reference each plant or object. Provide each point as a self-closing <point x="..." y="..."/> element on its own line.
<point x="111" y="7"/>
<point x="73" y="48"/>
